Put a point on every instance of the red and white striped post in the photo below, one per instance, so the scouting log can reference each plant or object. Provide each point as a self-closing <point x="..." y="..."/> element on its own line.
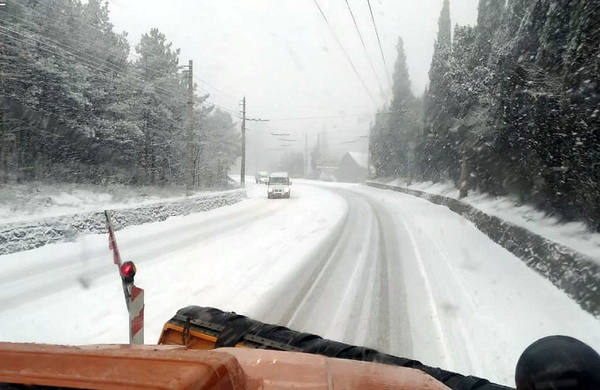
<point x="136" y="315"/>
<point x="134" y="296"/>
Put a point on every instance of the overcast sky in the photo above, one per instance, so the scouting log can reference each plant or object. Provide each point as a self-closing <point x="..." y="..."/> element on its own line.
<point x="282" y="56"/>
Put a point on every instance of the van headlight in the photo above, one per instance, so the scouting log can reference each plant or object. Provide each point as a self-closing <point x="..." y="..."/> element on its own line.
<point x="270" y="189"/>
<point x="286" y="190"/>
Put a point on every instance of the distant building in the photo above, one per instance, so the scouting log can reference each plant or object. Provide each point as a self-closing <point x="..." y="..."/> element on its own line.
<point x="353" y="167"/>
<point x="325" y="172"/>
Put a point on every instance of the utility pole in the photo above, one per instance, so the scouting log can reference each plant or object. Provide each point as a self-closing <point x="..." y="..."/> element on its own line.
<point x="306" y="157"/>
<point x="189" y="177"/>
<point x="369" y="156"/>
<point x="3" y="149"/>
<point x="243" y="164"/>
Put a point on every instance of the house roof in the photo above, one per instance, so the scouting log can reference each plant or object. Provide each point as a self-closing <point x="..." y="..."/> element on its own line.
<point x="361" y="159"/>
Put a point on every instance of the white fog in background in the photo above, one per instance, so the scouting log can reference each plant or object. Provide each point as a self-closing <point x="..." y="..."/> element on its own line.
<point x="281" y="55"/>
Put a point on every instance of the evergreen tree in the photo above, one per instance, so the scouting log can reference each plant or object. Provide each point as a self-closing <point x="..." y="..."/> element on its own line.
<point x="489" y="19"/>
<point x="161" y="104"/>
<point x="440" y="65"/>
<point x="217" y="147"/>
<point x="396" y="127"/>
<point x="403" y="122"/>
<point x="512" y="108"/>
<point x="379" y="147"/>
<point x="436" y="123"/>
<point x="472" y="78"/>
<point x="78" y="108"/>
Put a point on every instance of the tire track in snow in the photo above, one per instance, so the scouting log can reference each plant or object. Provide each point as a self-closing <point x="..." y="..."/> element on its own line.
<point x="442" y="285"/>
<point x="435" y="315"/>
<point x="455" y="285"/>
<point x="381" y="307"/>
<point x="398" y="320"/>
<point x="288" y="300"/>
<point x="352" y="290"/>
<point x="358" y="301"/>
<point x="336" y="244"/>
<point x="282" y="301"/>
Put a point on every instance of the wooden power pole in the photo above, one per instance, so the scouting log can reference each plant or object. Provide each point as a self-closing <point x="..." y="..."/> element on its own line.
<point x="243" y="162"/>
<point x="306" y="156"/>
<point x="189" y="177"/>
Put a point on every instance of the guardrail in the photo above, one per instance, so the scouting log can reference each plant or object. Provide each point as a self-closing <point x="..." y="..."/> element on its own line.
<point x="574" y="273"/>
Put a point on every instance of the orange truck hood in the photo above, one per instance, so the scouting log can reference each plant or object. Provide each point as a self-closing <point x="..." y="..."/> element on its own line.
<point x="175" y="367"/>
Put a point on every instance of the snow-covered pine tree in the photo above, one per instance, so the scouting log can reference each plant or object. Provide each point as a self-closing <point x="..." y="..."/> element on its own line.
<point x="434" y="164"/>
<point x="160" y="105"/>
<point x="403" y="121"/>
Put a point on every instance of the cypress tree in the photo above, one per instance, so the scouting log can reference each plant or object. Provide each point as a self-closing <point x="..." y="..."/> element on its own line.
<point x="436" y="117"/>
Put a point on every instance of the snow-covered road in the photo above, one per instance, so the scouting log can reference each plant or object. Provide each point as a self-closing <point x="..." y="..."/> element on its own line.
<point x="348" y="262"/>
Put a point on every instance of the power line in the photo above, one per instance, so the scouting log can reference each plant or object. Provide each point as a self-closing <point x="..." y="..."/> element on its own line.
<point x="215" y="88"/>
<point x="166" y="92"/>
<point x="82" y="60"/>
<point x="89" y="61"/>
<point x="85" y="61"/>
<point x="379" y="42"/>
<point x="362" y="41"/>
<point x="229" y="110"/>
<point x="30" y="23"/>
<point x="299" y="118"/>
<point x="89" y="42"/>
<point x="35" y="12"/>
<point x="78" y="53"/>
<point x="332" y="31"/>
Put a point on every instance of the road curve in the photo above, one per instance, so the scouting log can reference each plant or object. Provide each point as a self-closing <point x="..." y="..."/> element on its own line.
<point x="349" y="289"/>
<point x="348" y="262"/>
<point x="415" y="279"/>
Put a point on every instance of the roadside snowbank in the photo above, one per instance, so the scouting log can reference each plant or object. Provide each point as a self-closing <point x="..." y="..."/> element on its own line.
<point x="20" y="236"/>
<point x="575" y="273"/>
<point x="572" y="234"/>
<point x="37" y="200"/>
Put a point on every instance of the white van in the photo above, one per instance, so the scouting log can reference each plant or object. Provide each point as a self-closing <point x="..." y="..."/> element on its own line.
<point x="278" y="185"/>
<point x="261" y="177"/>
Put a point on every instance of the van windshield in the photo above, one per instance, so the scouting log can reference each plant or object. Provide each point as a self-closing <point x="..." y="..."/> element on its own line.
<point x="278" y="180"/>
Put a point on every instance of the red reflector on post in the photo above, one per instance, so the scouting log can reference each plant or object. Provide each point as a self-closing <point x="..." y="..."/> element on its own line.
<point x="127" y="271"/>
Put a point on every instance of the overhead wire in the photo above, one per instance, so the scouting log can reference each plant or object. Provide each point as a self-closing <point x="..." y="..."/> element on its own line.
<point x="165" y="91"/>
<point x="64" y="45"/>
<point x="215" y="88"/>
<point x="37" y="13"/>
<point x="92" y="65"/>
<point x="34" y="12"/>
<point x="319" y="117"/>
<point x="77" y="53"/>
<point x="379" y="43"/>
<point x="332" y="31"/>
<point x="82" y="60"/>
<point x="362" y="41"/>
